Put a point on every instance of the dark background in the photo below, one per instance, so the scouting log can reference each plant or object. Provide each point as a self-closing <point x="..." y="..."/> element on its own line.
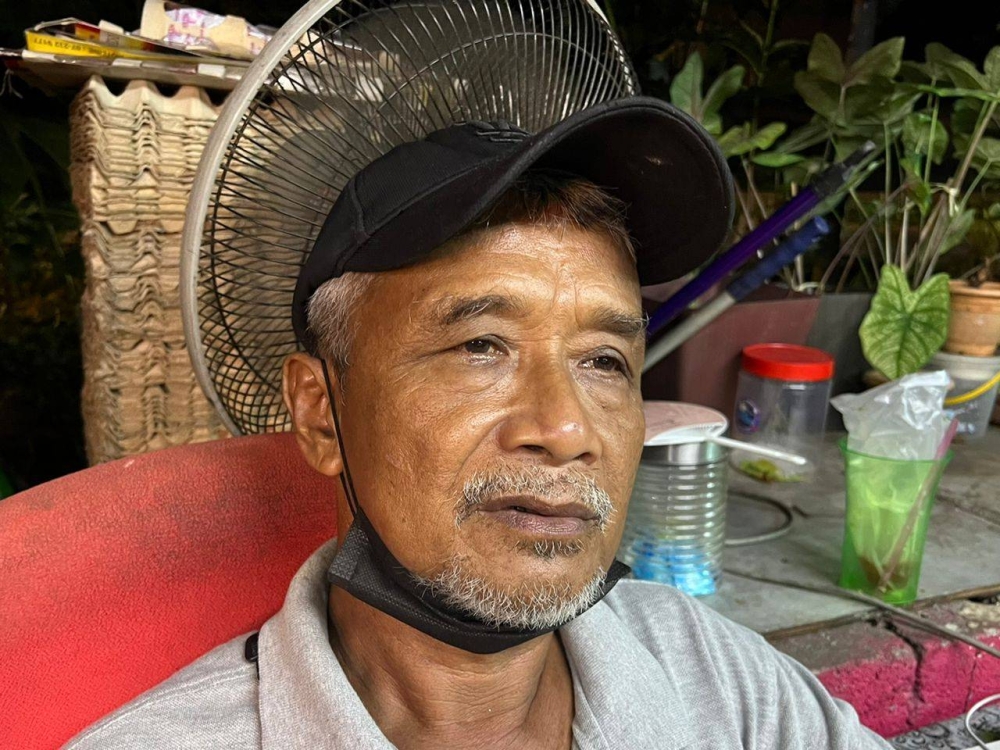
<point x="40" y="266"/>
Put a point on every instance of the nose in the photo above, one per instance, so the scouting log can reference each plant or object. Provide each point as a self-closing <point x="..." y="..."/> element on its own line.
<point x="548" y="417"/>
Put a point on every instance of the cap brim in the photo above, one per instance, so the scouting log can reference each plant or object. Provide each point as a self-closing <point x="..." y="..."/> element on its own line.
<point x="658" y="160"/>
<point x="664" y="166"/>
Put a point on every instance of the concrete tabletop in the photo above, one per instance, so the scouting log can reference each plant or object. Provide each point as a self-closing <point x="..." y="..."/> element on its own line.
<point x="900" y="679"/>
<point x="962" y="556"/>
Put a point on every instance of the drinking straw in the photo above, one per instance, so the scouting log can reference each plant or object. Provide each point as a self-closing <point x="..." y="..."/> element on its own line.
<point x="763" y="450"/>
<point x="923" y="498"/>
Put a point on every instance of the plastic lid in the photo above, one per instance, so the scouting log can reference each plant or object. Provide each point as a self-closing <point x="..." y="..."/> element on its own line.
<point x="788" y="362"/>
<point x="676" y="422"/>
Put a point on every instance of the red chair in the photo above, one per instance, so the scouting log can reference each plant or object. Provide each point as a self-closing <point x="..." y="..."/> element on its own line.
<point x="113" y="578"/>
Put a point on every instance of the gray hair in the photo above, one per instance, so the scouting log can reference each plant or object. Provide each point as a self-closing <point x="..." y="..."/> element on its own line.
<point x="484" y="486"/>
<point x="534" y="605"/>
<point x="331" y="321"/>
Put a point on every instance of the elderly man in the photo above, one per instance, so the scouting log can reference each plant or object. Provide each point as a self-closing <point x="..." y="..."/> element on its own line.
<point x="472" y="315"/>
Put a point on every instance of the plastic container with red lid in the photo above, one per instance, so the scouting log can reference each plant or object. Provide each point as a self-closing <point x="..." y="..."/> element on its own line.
<point x="781" y="400"/>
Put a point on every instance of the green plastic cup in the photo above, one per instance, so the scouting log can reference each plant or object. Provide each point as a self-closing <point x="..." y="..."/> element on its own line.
<point x="888" y="508"/>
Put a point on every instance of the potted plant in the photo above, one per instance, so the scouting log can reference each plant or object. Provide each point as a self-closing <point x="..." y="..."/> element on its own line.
<point x="916" y="113"/>
<point x="935" y="124"/>
<point x="974" y="329"/>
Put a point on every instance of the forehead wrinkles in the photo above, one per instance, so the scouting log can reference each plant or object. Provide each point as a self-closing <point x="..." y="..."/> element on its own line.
<point x="565" y="271"/>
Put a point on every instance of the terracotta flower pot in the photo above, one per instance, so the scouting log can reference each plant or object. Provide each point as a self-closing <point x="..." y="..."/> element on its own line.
<point x="974" y="328"/>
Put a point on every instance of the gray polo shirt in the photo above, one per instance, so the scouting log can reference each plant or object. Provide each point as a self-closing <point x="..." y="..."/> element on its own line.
<point x="652" y="668"/>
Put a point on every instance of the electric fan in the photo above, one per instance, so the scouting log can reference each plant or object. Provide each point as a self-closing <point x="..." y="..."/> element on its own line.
<point x="340" y="84"/>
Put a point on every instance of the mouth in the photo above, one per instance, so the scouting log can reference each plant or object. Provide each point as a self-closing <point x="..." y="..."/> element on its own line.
<point x="533" y="515"/>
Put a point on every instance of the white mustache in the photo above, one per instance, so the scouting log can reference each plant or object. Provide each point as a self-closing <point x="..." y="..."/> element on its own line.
<point x="484" y="486"/>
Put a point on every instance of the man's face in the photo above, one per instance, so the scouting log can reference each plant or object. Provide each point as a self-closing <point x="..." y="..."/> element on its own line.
<point x="493" y="394"/>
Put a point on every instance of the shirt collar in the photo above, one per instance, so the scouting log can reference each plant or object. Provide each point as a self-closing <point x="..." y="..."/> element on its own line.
<point x="306" y="701"/>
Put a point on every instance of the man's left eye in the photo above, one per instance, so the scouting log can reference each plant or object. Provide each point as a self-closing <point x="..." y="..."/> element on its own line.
<point x="608" y="363"/>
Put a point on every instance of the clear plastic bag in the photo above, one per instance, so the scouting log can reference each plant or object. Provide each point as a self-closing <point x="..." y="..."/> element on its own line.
<point x="904" y="419"/>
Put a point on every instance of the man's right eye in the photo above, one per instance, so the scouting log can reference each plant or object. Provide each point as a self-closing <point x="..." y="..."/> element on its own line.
<point x="479" y="346"/>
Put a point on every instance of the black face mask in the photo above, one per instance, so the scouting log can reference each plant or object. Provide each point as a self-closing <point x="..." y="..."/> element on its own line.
<point x="365" y="568"/>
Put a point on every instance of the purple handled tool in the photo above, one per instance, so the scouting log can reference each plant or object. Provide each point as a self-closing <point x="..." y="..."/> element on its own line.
<point x="786" y="253"/>
<point x="828" y="183"/>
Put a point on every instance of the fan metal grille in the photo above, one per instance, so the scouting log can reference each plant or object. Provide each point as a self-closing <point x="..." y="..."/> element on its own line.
<point x="360" y="81"/>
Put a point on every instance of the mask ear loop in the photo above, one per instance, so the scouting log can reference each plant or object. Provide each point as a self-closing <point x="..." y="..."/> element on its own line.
<point x="345" y="475"/>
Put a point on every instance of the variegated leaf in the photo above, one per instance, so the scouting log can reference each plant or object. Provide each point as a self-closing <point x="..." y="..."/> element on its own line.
<point x="905" y="328"/>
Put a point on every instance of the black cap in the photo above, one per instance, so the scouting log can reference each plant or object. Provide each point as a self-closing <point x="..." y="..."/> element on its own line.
<point x="397" y="210"/>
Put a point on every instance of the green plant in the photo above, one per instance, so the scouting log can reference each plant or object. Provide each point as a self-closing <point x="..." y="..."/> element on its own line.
<point x="673" y="45"/>
<point x="916" y="113"/>
<point x="905" y="328"/>
<point x="745" y="142"/>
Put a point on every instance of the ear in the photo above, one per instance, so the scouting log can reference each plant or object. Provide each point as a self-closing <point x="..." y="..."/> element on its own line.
<point x="305" y="394"/>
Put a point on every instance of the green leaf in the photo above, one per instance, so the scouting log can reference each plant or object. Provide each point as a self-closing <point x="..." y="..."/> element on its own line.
<point x="922" y="194"/>
<point x="722" y="88"/>
<point x="685" y="89"/>
<point x="914" y="72"/>
<point x="731" y="140"/>
<point x="988" y="149"/>
<point x="765" y="137"/>
<point x="821" y="96"/>
<point x="869" y="103"/>
<point x="881" y="61"/>
<point x="712" y="123"/>
<point x="924" y="135"/>
<point x="987" y="156"/>
<point x="845" y="145"/>
<point x="898" y="105"/>
<point x="911" y="164"/>
<point x="958" y="227"/>
<point x="776" y="160"/>
<point x="951" y="65"/>
<point x="787" y="44"/>
<point x="808" y="135"/>
<point x="741" y="139"/>
<point x="825" y="60"/>
<point x="965" y="115"/>
<point x="878" y="102"/>
<point x="950" y="92"/>
<point x="803" y="172"/>
<point x="905" y="328"/>
<point x="992" y="68"/>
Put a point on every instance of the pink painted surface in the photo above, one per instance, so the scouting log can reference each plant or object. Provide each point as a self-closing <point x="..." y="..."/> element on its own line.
<point x="902" y="679"/>
<point x="879" y="691"/>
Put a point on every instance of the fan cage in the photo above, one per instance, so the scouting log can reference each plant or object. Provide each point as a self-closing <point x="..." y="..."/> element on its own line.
<point x="357" y="82"/>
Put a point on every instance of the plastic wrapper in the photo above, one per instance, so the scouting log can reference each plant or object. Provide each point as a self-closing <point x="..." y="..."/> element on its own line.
<point x="904" y="419"/>
<point x="202" y="31"/>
